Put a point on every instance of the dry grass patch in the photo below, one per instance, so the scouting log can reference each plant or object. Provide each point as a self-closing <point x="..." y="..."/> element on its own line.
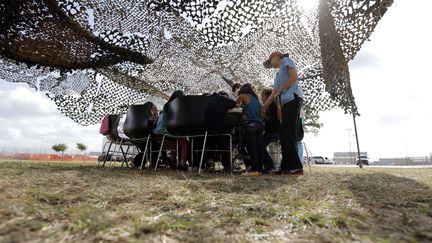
<point x="81" y="202"/>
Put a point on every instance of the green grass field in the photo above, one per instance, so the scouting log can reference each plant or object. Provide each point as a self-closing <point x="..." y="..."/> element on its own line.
<point x="76" y="202"/>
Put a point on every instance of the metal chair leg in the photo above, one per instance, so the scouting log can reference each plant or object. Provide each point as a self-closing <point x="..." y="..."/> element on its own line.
<point x="145" y="152"/>
<point x="279" y="155"/>
<point x="125" y="156"/>
<point x="307" y="156"/>
<point x="160" y="152"/>
<point x="202" y="153"/>
<point x="113" y="154"/>
<point x="177" y="152"/>
<point x="192" y="152"/>
<point x="150" y="153"/>
<point x="122" y="151"/>
<point x="106" y="154"/>
<point x="231" y="157"/>
<point x="103" y="153"/>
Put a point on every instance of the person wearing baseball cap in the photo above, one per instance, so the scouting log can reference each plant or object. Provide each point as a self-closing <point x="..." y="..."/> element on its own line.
<point x="287" y="91"/>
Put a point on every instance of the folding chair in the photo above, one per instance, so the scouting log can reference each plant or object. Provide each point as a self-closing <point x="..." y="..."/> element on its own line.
<point x="233" y="122"/>
<point x="186" y="119"/>
<point x="138" y="129"/>
<point x="308" y="155"/>
<point x="113" y="139"/>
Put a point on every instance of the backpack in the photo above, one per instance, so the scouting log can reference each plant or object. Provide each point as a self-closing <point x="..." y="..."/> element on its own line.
<point x="105" y="125"/>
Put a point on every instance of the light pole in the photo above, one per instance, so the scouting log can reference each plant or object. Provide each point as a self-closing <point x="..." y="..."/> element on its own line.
<point x="407" y="154"/>
<point x="357" y="140"/>
<point x="350" y="145"/>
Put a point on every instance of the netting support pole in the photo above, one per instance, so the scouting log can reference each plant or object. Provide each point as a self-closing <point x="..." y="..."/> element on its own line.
<point x="357" y="141"/>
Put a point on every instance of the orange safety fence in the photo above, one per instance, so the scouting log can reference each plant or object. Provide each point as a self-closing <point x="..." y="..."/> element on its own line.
<point x="47" y="157"/>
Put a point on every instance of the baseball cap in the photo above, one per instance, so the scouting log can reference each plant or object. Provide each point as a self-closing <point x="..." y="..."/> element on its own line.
<point x="267" y="63"/>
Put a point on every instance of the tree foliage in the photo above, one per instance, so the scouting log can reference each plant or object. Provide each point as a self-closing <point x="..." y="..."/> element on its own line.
<point x="311" y="121"/>
<point x="60" y="147"/>
<point x="81" y="147"/>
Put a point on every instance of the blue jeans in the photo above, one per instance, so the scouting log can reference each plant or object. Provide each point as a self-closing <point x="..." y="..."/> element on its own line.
<point x="267" y="139"/>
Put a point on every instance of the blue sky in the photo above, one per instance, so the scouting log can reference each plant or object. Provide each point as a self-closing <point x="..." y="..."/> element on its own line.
<point x="391" y="81"/>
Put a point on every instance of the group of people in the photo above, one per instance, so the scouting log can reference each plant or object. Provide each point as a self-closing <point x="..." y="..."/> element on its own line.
<point x="276" y="117"/>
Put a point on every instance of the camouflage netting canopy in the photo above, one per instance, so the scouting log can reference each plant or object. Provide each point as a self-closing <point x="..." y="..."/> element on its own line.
<point x="94" y="57"/>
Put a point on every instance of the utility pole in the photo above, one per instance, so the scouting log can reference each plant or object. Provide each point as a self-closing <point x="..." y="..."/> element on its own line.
<point x="350" y="145"/>
<point x="357" y="140"/>
<point x="359" y="163"/>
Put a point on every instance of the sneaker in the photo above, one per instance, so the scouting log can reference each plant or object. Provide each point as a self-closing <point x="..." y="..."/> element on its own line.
<point x="239" y="166"/>
<point x="278" y="172"/>
<point x="255" y="173"/>
<point x="210" y="166"/>
<point x="184" y="165"/>
<point x="267" y="172"/>
<point x="296" y="172"/>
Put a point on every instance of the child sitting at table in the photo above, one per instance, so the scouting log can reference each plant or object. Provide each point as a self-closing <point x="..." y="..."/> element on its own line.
<point x="248" y="100"/>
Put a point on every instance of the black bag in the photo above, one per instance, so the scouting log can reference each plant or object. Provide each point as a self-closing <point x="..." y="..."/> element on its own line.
<point x="137" y="160"/>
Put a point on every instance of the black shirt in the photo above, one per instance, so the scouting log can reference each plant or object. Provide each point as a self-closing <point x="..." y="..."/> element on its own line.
<point x="217" y="107"/>
<point x="272" y="124"/>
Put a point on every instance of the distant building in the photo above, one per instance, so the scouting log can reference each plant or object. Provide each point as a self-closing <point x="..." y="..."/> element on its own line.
<point x="92" y="153"/>
<point x="348" y="157"/>
<point x="406" y="161"/>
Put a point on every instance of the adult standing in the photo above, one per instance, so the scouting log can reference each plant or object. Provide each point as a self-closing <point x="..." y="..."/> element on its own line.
<point x="286" y="87"/>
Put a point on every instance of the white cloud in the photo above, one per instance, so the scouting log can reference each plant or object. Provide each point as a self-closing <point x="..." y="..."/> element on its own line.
<point x="392" y="83"/>
<point x="32" y="121"/>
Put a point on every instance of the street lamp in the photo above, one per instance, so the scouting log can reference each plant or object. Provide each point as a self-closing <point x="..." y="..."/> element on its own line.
<point x="350" y="145"/>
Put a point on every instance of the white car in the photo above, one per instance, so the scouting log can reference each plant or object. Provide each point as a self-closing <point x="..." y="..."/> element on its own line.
<point x="321" y="160"/>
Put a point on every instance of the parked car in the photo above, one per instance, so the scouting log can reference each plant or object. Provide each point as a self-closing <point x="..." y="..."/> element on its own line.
<point x="321" y="160"/>
<point x="364" y="160"/>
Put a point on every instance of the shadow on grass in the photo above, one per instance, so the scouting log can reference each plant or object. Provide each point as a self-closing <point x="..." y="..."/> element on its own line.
<point x="401" y="207"/>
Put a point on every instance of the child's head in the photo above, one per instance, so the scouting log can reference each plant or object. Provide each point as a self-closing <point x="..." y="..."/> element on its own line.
<point x="247" y="89"/>
<point x="235" y="87"/>
<point x="150" y="107"/>
<point x="154" y="111"/>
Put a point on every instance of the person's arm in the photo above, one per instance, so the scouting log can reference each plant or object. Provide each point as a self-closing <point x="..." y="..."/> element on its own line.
<point x="268" y="102"/>
<point x="241" y="100"/>
<point x="292" y="73"/>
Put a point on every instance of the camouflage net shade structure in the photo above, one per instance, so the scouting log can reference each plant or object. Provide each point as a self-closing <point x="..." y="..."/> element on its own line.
<point x="93" y="57"/>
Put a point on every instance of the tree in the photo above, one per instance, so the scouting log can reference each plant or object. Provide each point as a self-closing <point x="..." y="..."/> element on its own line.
<point x="60" y="147"/>
<point x="81" y="147"/>
<point x="311" y="122"/>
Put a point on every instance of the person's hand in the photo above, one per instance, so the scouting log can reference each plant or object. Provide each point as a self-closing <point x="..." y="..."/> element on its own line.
<point x="277" y="93"/>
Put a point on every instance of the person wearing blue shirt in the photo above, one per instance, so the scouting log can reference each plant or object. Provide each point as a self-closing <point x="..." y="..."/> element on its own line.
<point x="248" y="100"/>
<point x="286" y="87"/>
